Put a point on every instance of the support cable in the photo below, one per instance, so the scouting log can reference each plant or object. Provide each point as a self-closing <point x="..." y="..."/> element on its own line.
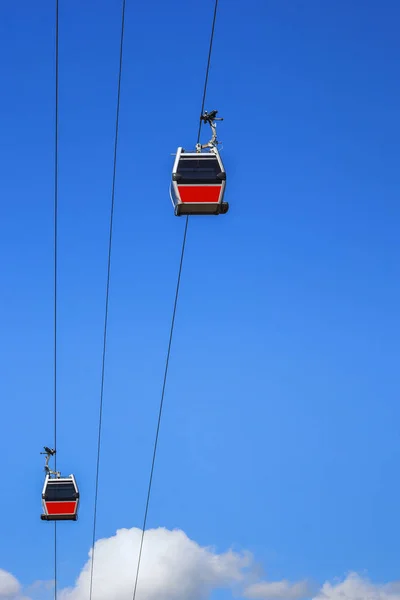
<point x="172" y="326"/>
<point x="107" y="293"/>
<point x="161" y="405"/>
<point x="208" y="67"/>
<point x="55" y="272"/>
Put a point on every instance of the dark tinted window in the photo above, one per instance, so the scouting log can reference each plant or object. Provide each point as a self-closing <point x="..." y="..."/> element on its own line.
<point x="196" y="170"/>
<point x="60" y="491"/>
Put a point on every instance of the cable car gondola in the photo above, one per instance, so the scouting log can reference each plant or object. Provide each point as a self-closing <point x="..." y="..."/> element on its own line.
<point x="60" y="495"/>
<point x="199" y="178"/>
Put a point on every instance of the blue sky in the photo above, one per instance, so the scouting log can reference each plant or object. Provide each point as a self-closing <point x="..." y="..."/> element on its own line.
<point x="280" y="430"/>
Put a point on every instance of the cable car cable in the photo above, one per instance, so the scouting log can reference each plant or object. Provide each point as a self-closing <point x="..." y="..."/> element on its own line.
<point x="161" y="404"/>
<point x="208" y="68"/>
<point x="55" y="271"/>
<point x="172" y="324"/>
<point x="107" y="292"/>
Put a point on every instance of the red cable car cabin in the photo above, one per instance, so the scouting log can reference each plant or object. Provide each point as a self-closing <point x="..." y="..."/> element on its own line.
<point x="198" y="183"/>
<point x="60" y="498"/>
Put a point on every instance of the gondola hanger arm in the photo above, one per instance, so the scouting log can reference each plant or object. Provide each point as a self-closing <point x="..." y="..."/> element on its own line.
<point x="49" y="452"/>
<point x="210" y="118"/>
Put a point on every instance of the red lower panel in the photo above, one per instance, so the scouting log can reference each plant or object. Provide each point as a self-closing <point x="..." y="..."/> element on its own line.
<point x="61" y="508"/>
<point x="199" y="193"/>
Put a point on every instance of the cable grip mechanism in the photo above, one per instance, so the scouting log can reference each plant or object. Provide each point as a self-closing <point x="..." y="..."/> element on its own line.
<point x="210" y="118"/>
<point x="49" y="452"/>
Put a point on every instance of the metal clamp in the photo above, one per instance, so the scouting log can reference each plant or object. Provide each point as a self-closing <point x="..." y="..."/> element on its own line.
<point x="50" y="452"/>
<point x="210" y="118"/>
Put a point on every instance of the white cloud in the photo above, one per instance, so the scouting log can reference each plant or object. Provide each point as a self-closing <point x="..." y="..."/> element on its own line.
<point x="173" y="567"/>
<point x="278" y="590"/>
<point x="10" y="588"/>
<point x="40" y="590"/>
<point x="355" y="587"/>
<point x="42" y="584"/>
